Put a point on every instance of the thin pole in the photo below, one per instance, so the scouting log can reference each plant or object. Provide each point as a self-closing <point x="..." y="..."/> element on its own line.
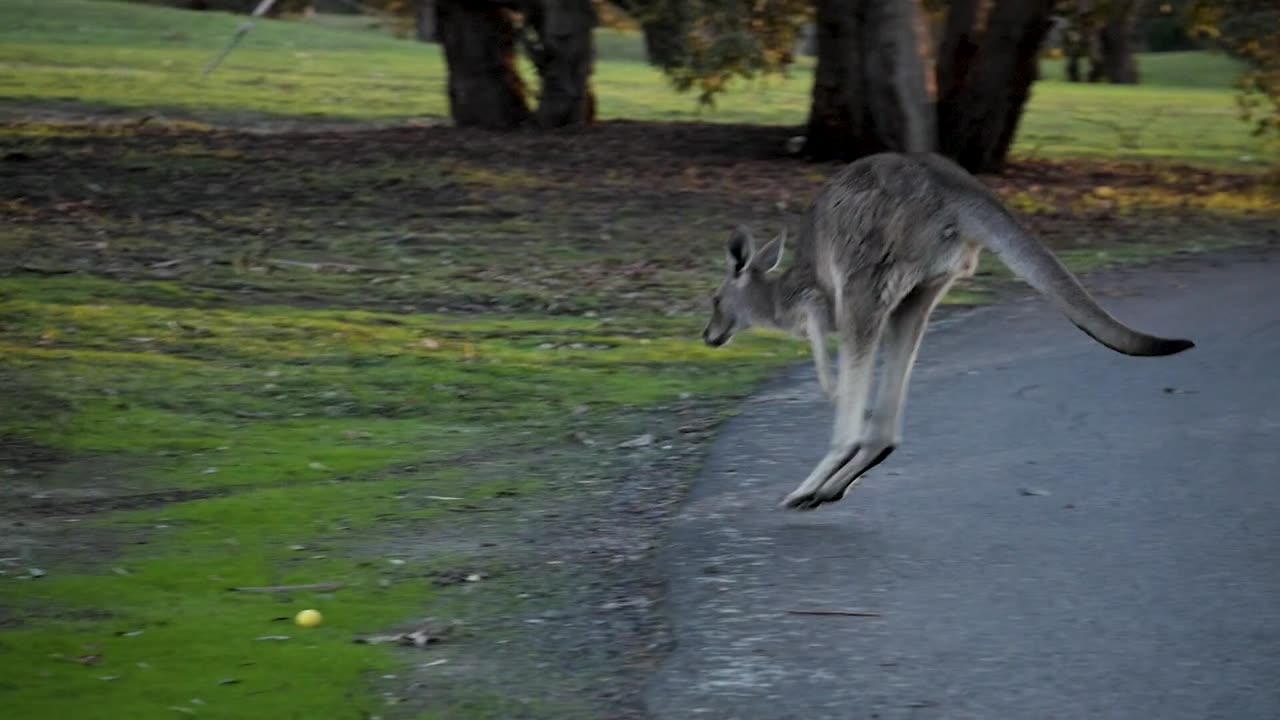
<point x="245" y="27"/>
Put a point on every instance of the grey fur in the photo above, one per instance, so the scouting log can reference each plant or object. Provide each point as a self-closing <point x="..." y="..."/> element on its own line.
<point x="878" y="249"/>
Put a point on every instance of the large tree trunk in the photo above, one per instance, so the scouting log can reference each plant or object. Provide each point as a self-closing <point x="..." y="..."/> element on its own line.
<point x="424" y="21"/>
<point x="479" y="39"/>
<point x="987" y="63"/>
<point x="1115" y="39"/>
<point x="869" y="93"/>
<point x="563" y="50"/>
<point x="665" y="24"/>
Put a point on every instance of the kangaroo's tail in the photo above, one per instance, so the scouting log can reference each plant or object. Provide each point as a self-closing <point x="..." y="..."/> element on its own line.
<point x="988" y="220"/>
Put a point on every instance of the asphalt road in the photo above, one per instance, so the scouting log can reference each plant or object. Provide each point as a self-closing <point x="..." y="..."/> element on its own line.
<point x="1065" y="533"/>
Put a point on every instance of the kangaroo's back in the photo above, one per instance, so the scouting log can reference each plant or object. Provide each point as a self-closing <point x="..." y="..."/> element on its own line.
<point x="885" y="220"/>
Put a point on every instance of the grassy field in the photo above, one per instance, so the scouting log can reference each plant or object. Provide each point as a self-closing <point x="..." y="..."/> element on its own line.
<point x="456" y="373"/>
<point x="262" y="446"/>
<point x="131" y="56"/>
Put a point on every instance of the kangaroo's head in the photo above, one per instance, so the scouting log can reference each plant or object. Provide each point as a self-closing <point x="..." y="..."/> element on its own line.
<point x="745" y="296"/>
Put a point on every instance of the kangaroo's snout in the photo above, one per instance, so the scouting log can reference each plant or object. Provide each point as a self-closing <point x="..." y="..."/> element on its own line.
<point x="714" y="340"/>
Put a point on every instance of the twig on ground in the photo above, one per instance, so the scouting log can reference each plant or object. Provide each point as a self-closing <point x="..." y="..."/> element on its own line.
<point x="313" y="587"/>
<point x="323" y="266"/>
<point x="846" y="613"/>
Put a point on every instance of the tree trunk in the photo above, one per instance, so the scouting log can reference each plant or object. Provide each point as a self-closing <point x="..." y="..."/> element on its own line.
<point x="665" y="24"/>
<point x="869" y="93"/>
<point x="424" y="21"/>
<point x="1077" y="39"/>
<point x="563" y="50"/>
<point x="806" y="42"/>
<point x="485" y="91"/>
<point x="1116" y="38"/>
<point x="987" y="63"/>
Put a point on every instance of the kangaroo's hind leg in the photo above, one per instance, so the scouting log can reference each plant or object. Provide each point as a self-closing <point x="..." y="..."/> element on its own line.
<point x="883" y="431"/>
<point x="859" y="336"/>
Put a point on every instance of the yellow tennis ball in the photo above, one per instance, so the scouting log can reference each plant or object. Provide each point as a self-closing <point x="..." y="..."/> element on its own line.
<point x="309" y="618"/>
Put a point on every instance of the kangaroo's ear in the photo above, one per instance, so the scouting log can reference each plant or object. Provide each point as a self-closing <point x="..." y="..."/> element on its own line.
<point x="769" y="257"/>
<point x="740" y="249"/>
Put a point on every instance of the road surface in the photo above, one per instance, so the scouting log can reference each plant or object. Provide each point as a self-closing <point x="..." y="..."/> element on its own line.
<point x="1065" y="533"/>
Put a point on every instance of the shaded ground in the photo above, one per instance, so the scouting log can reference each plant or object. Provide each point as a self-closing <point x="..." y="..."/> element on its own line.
<point x="627" y="216"/>
<point x="302" y="341"/>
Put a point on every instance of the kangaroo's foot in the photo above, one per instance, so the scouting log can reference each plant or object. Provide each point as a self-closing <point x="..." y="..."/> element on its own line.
<point x="837" y="486"/>
<point x="804" y="497"/>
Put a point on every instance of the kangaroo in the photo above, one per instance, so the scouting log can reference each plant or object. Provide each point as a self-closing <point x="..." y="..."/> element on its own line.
<point x="750" y="296"/>
<point x="879" y="247"/>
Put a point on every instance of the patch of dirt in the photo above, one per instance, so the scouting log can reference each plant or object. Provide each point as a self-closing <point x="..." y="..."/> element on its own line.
<point x="59" y="541"/>
<point x="20" y="456"/>
<point x="47" y="496"/>
<point x="9" y="621"/>
<point x="619" y="217"/>
<point x="45" y="506"/>
<point x="579" y="610"/>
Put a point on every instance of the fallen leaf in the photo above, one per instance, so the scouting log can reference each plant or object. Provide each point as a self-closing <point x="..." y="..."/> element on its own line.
<point x="419" y="638"/>
<point x="644" y="440"/>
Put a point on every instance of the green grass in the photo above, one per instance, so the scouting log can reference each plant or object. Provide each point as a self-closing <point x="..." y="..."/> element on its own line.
<point x="326" y="429"/>
<point x="169" y="633"/>
<point x="1193" y="125"/>
<point x="135" y="57"/>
